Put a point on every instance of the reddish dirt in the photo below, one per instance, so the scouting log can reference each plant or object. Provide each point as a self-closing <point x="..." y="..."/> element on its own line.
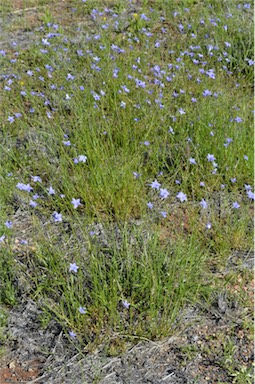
<point x="13" y="372"/>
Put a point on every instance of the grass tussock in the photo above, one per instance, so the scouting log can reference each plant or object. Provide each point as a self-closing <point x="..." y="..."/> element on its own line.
<point x="126" y="161"/>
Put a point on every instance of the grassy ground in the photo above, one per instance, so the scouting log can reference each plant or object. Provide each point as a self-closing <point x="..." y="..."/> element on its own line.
<point x="126" y="161"/>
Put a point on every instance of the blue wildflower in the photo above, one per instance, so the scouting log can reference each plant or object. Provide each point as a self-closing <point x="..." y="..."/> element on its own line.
<point x="250" y="194"/>
<point x="192" y="160"/>
<point x="150" y="205"/>
<point x="36" y="179"/>
<point x="82" y="159"/>
<point x="24" y="187"/>
<point x="8" y="224"/>
<point x="51" y="191"/>
<point x="11" y="119"/>
<point x="136" y="175"/>
<point x="57" y="217"/>
<point x="76" y="203"/>
<point x="163" y="193"/>
<point x="203" y="204"/>
<point x="125" y="304"/>
<point x="207" y="93"/>
<point x="70" y="77"/>
<point x="73" y="267"/>
<point x="72" y="334"/>
<point x="181" y="196"/>
<point x="210" y="157"/>
<point x="155" y="184"/>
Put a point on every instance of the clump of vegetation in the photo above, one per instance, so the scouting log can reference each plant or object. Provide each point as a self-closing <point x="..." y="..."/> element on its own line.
<point x="126" y="162"/>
